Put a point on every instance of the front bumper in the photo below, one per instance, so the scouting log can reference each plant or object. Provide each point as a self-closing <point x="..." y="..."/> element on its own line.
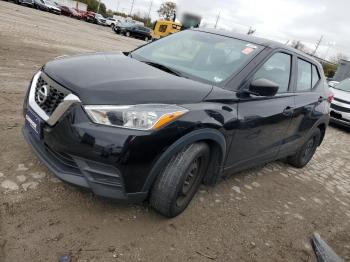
<point x="103" y="179"/>
<point x="340" y="113"/>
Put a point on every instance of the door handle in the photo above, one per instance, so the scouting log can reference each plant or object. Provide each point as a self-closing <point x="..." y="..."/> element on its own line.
<point x="288" y="111"/>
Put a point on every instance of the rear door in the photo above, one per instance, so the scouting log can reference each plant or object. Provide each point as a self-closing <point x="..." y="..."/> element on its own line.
<point x="263" y="121"/>
<point x="138" y="31"/>
<point x="310" y="100"/>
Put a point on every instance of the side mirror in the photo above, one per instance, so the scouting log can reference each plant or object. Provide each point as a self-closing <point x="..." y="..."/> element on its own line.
<point x="263" y="87"/>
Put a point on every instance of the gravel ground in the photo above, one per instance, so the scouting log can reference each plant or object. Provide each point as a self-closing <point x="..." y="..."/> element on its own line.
<point x="264" y="214"/>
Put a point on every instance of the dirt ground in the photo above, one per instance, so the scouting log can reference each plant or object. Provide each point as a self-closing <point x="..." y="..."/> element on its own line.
<point x="264" y="214"/>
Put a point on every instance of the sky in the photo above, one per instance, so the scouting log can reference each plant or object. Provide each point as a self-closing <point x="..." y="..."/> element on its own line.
<point x="280" y="20"/>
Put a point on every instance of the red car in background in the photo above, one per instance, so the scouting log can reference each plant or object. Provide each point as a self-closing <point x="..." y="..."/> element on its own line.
<point x="71" y="12"/>
<point x="88" y="15"/>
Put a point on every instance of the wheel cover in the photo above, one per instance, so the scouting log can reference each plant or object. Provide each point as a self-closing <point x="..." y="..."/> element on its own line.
<point x="309" y="149"/>
<point x="191" y="179"/>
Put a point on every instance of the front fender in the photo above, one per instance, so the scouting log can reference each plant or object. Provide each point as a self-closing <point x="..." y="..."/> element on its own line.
<point x="218" y="151"/>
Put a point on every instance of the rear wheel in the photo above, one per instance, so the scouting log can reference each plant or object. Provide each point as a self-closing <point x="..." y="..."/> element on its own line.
<point x="306" y="152"/>
<point x="180" y="180"/>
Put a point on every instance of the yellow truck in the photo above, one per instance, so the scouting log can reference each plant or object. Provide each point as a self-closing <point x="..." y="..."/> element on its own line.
<point x="164" y="28"/>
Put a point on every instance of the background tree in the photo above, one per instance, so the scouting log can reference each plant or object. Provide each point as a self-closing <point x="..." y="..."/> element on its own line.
<point x="167" y="10"/>
<point x="329" y="69"/>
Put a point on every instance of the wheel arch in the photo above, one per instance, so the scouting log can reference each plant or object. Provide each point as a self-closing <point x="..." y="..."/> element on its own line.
<point x="322" y="127"/>
<point x="212" y="137"/>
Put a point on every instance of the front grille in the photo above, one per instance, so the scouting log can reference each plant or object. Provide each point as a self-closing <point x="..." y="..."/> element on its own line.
<point x="56" y="94"/>
<point x="340" y="108"/>
<point x="341" y="100"/>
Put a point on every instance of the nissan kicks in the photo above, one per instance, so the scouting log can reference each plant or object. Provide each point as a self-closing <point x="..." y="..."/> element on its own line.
<point x="154" y="123"/>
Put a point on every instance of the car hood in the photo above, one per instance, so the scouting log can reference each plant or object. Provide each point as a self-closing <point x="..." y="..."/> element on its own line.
<point x="341" y="94"/>
<point x="116" y="79"/>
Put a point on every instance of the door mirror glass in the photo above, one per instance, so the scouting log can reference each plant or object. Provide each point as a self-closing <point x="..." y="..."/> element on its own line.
<point x="263" y="87"/>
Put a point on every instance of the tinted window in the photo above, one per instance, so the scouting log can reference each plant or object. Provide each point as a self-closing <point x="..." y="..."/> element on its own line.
<point x="304" y="76"/>
<point x="315" y="76"/>
<point x="203" y="56"/>
<point x="162" y="28"/>
<point x="276" y="69"/>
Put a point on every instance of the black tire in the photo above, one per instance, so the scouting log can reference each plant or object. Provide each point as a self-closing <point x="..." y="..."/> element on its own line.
<point x="306" y="152"/>
<point x="127" y="34"/>
<point x="146" y="39"/>
<point x="179" y="181"/>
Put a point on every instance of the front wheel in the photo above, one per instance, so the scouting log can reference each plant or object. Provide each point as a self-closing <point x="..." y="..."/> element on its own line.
<point x="180" y="179"/>
<point x="127" y="34"/>
<point x="306" y="152"/>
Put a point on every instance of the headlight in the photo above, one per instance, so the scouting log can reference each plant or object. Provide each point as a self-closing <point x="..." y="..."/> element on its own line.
<point x="142" y="117"/>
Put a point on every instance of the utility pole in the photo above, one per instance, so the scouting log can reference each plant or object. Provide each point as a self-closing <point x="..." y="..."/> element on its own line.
<point x="217" y="20"/>
<point x="149" y="10"/>
<point x="318" y="45"/>
<point x="251" y="31"/>
<point x="132" y="7"/>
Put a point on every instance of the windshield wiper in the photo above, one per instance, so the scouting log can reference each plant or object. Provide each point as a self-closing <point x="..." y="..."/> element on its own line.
<point x="164" y="68"/>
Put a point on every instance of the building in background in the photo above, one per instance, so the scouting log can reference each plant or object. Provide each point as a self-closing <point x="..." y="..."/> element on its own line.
<point x="72" y="4"/>
<point x="343" y="71"/>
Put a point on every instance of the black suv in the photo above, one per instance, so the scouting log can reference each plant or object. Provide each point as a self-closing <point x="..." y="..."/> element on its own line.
<point x="137" y="31"/>
<point x="188" y="109"/>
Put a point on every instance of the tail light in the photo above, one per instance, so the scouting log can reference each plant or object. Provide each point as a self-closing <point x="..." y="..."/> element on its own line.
<point x="330" y="97"/>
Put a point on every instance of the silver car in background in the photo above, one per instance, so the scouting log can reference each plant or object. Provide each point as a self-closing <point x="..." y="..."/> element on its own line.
<point x="340" y="107"/>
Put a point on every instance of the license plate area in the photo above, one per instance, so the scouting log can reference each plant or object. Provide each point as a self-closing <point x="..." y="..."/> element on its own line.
<point x="34" y="123"/>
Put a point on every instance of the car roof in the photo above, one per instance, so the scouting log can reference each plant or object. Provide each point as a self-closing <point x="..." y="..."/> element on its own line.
<point x="255" y="40"/>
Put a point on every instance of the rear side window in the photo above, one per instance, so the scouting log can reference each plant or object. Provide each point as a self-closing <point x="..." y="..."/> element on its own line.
<point x="276" y="69"/>
<point x="162" y="28"/>
<point x="304" y="76"/>
<point x="315" y="76"/>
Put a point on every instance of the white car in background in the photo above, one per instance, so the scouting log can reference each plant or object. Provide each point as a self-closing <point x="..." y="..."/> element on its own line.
<point x="333" y="83"/>
<point x="112" y="22"/>
<point x="340" y="107"/>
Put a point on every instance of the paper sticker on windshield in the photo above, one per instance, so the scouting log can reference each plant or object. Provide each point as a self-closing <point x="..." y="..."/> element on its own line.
<point x="248" y="50"/>
<point x="251" y="46"/>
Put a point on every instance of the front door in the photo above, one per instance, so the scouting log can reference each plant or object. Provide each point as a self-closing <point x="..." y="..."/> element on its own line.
<point x="264" y="121"/>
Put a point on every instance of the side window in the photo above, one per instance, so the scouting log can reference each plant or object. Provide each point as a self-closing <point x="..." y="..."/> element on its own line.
<point x="315" y="76"/>
<point x="276" y="69"/>
<point x="304" y="76"/>
<point x="162" y="28"/>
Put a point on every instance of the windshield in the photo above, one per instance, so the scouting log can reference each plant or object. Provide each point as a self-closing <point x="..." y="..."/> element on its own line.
<point x="203" y="56"/>
<point x="344" y="85"/>
<point x="99" y="16"/>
